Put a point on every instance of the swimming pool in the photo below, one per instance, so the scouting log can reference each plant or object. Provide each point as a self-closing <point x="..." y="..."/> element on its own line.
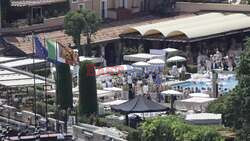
<point x="225" y="83"/>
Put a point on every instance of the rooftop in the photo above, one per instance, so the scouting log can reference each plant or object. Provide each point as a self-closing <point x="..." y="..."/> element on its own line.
<point x="21" y="3"/>
<point x="108" y="32"/>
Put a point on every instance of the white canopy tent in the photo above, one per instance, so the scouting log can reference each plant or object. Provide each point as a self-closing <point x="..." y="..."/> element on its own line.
<point x="22" y="62"/>
<point x="141" y="64"/>
<point x="172" y="92"/>
<point x="199" y="95"/>
<point x="141" y="57"/>
<point x="204" y="118"/>
<point x="194" y="103"/>
<point x="156" y="62"/>
<point x="176" y="59"/>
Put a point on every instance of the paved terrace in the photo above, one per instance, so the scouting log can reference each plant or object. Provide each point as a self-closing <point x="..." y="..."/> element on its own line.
<point x="108" y="32"/>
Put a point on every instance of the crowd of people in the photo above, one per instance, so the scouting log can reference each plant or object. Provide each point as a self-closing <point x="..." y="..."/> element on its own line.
<point x="216" y="61"/>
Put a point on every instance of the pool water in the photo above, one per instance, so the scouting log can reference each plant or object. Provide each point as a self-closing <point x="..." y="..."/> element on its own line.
<point x="225" y="84"/>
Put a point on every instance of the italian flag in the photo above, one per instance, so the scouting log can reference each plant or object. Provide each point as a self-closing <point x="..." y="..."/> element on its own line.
<point x="54" y="51"/>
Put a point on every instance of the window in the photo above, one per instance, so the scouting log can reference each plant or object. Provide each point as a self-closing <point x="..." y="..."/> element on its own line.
<point x="74" y="1"/>
<point x="82" y="6"/>
<point x="123" y="3"/>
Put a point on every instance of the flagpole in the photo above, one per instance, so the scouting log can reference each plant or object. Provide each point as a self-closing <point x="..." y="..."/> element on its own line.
<point x="46" y="94"/>
<point x="57" y="118"/>
<point x="34" y="75"/>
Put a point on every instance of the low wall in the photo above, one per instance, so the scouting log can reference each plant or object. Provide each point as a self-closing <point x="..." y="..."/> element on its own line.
<point x="196" y="7"/>
<point x="86" y="132"/>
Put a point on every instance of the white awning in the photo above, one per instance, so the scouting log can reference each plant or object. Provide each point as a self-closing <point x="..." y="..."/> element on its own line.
<point x="204" y="118"/>
<point x="198" y="100"/>
<point x="93" y="59"/>
<point x="172" y="92"/>
<point x="199" y="95"/>
<point x="23" y="62"/>
<point x="195" y="26"/>
<point x="156" y="62"/>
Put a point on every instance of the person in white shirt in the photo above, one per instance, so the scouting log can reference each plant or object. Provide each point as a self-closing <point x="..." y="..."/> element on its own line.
<point x="145" y="89"/>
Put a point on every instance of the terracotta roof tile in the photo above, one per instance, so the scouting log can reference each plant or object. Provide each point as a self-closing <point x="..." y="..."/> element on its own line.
<point x="107" y="32"/>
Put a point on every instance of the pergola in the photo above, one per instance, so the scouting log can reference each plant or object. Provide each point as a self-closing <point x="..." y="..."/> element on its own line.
<point x="196" y="31"/>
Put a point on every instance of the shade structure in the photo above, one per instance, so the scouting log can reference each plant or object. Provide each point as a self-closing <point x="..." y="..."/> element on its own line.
<point x="170" y="50"/>
<point x="176" y="59"/>
<point x="141" y="57"/>
<point x="156" y="62"/>
<point x="172" y="92"/>
<point x="199" y="95"/>
<point x="139" y="104"/>
<point x="125" y="68"/>
<point x="141" y="64"/>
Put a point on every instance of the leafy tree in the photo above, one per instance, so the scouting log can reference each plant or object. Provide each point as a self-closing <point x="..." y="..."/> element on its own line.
<point x="80" y="22"/>
<point x="87" y="89"/>
<point x="64" y="86"/>
<point x="235" y="106"/>
<point x="172" y="128"/>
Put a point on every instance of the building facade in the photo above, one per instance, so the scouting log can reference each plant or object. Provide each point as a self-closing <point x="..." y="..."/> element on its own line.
<point x="110" y="9"/>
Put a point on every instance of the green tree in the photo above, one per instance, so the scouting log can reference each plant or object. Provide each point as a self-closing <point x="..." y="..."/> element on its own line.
<point x="87" y="89"/>
<point x="235" y="106"/>
<point x="83" y="22"/>
<point x="64" y="86"/>
<point x="173" y="128"/>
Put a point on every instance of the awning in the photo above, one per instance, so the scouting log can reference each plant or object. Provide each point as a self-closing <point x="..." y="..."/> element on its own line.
<point x="195" y="26"/>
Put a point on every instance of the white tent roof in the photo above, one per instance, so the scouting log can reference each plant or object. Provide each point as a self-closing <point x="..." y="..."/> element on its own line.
<point x="176" y="59"/>
<point x="23" y="62"/>
<point x="171" y="92"/>
<point x="198" y="100"/>
<point x="141" y="64"/>
<point x="94" y="59"/>
<point x="115" y="89"/>
<point x="195" y="26"/>
<point x="156" y="62"/>
<point x="169" y="50"/>
<point x="141" y="57"/>
<point x="199" y="95"/>
<point x="7" y="59"/>
<point x="144" y="28"/>
<point x="202" y="116"/>
<point x="116" y="102"/>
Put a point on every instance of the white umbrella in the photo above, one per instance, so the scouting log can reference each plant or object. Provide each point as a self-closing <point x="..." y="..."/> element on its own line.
<point x="171" y="92"/>
<point x="141" y="64"/>
<point x="176" y="59"/>
<point x="199" y="95"/>
<point x="170" y="50"/>
<point x="156" y="62"/>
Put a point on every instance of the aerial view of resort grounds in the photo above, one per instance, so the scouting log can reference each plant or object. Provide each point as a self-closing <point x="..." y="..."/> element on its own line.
<point x="124" y="70"/>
